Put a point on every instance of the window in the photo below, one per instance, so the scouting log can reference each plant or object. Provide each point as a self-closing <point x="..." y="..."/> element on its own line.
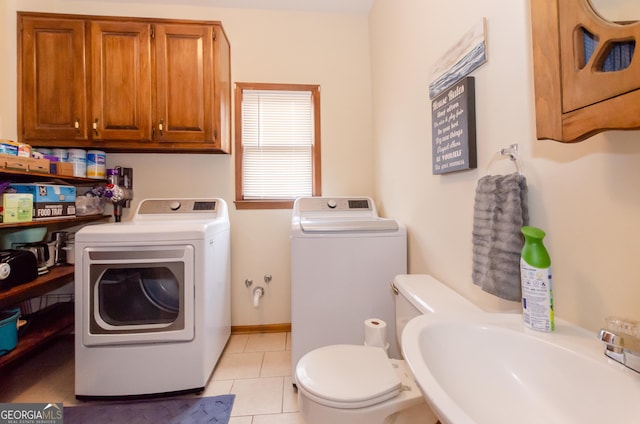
<point x="277" y="144"/>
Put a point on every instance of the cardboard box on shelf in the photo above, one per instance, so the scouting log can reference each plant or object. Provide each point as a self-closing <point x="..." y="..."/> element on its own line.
<point x="50" y="200"/>
<point x="19" y="163"/>
<point x="9" y="147"/>
<point x="16" y="207"/>
<point x="38" y="165"/>
<point x="61" y="168"/>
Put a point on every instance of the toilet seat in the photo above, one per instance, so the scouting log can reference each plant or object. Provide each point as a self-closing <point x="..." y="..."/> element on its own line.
<point x="347" y="376"/>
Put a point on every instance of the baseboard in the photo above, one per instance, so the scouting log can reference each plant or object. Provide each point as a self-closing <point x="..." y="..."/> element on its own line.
<point x="267" y="328"/>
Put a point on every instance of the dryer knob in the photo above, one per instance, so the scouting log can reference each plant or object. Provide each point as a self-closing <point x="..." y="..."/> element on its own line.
<point x="5" y="271"/>
<point x="175" y="206"/>
<point x="332" y="204"/>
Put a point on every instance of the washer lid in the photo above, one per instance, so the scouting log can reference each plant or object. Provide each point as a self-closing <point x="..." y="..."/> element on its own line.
<point x="348" y="376"/>
<point x="338" y="225"/>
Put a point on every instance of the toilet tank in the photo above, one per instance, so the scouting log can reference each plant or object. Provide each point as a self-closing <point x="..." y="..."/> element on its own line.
<point x="419" y="294"/>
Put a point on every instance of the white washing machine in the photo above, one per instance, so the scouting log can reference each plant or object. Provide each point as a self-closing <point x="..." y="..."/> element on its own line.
<point x="152" y="297"/>
<point x="344" y="258"/>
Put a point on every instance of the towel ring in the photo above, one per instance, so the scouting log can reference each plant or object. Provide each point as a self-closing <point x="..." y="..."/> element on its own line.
<point x="511" y="152"/>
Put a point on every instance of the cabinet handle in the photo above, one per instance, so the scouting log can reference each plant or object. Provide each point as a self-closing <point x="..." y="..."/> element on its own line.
<point x="95" y="126"/>
<point x="161" y="127"/>
<point x="77" y="125"/>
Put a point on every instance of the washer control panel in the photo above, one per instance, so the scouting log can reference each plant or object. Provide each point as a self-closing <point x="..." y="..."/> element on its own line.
<point x="350" y="204"/>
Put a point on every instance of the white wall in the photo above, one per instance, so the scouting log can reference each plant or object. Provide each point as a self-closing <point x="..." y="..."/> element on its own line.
<point x="585" y="195"/>
<point x="278" y="46"/>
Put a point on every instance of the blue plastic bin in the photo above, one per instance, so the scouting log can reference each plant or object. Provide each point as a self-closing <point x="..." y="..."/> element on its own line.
<point x="8" y="330"/>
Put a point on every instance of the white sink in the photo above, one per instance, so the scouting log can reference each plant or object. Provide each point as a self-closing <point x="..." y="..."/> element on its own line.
<point x="486" y="368"/>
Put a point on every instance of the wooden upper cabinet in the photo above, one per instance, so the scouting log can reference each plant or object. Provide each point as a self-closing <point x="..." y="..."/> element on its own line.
<point x="192" y="85"/>
<point x="121" y="81"/>
<point x="147" y="85"/>
<point x="221" y="89"/>
<point x="586" y="71"/>
<point x="184" y="96"/>
<point x="52" y="96"/>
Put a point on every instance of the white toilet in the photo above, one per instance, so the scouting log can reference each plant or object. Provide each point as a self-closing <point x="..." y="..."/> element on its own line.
<point x="357" y="384"/>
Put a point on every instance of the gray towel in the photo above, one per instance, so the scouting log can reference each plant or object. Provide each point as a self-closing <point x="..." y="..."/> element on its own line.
<point x="500" y="211"/>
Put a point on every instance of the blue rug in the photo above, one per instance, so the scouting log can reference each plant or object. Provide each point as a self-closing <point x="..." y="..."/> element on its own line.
<point x="216" y="409"/>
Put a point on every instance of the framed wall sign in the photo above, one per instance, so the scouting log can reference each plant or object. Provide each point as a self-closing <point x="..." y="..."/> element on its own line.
<point x="453" y="134"/>
<point x="468" y="54"/>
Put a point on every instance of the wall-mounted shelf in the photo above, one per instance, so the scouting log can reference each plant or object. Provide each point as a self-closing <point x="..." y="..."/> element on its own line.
<point x="75" y="220"/>
<point x="11" y="174"/>
<point x="22" y="176"/>
<point x="57" y="319"/>
<point x="56" y="277"/>
<point x="45" y="324"/>
<point x="41" y="327"/>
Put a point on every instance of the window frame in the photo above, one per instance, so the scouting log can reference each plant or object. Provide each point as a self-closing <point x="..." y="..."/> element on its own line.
<point x="316" y="151"/>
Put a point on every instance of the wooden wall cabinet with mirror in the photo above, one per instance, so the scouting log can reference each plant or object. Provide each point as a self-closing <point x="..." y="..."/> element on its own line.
<point x="586" y="72"/>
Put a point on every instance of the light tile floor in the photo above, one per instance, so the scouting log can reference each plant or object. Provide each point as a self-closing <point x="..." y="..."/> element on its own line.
<point x="254" y="367"/>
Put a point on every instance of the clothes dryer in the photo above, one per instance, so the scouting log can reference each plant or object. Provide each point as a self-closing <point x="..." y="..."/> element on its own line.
<point x="152" y="300"/>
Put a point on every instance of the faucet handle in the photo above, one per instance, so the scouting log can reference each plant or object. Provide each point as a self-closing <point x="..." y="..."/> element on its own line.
<point x="623" y="349"/>
<point x="612" y="340"/>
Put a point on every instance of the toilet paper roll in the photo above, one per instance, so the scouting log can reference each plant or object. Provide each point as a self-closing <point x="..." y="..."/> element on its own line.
<point x="375" y="333"/>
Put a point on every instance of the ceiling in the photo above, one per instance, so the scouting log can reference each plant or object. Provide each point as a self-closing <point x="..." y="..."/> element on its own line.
<point x="328" y="6"/>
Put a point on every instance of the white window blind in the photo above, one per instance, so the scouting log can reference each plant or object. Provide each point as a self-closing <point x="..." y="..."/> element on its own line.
<point x="277" y="144"/>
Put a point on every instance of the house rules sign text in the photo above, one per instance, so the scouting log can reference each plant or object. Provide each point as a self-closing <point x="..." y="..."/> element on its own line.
<point x="453" y="116"/>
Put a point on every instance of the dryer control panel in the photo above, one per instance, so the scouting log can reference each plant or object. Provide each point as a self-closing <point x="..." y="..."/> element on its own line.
<point x="154" y="209"/>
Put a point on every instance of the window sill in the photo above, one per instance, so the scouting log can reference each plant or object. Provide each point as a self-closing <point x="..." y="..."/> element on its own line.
<point x="264" y="204"/>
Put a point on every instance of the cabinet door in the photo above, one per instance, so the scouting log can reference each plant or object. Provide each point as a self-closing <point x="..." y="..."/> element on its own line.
<point x="52" y="100"/>
<point x="222" y="90"/>
<point x="184" y="96"/>
<point x="121" y="81"/>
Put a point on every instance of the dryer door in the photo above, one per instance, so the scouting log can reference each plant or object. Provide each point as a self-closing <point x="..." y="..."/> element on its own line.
<point x="138" y="295"/>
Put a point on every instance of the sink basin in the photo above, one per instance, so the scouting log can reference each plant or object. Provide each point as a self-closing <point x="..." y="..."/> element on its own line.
<point x="487" y="368"/>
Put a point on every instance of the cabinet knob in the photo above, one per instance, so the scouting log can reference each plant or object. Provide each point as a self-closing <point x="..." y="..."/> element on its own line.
<point x="95" y="126"/>
<point x="77" y="125"/>
<point x="161" y="127"/>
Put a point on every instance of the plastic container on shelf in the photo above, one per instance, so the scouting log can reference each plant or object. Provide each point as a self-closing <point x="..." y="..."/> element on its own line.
<point x="70" y="252"/>
<point x="96" y="164"/>
<point x="79" y="159"/>
<point x="8" y="330"/>
<point x="87" y="205"/>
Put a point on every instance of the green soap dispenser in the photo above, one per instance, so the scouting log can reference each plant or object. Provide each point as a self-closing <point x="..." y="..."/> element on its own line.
<point x="535" y="277"/>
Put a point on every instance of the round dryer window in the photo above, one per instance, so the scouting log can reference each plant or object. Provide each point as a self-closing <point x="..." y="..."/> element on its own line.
<point x="161" y="288"/>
